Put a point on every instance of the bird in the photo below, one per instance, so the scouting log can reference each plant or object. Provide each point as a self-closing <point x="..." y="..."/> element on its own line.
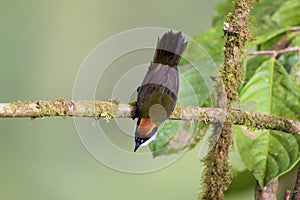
<point x="157" y="95"/>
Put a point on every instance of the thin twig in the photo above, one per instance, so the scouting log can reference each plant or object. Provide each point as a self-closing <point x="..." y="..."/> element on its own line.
<point x="294" y="28"/>
<point x="268" y="192"/>
<point x="287" y="195"/>
<point x="274" y="53"/>
<point x="296" y="192"/>
<point x="114" y="109"/>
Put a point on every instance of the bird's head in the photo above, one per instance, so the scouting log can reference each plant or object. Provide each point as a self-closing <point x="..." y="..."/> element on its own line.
<point x="145" y="132"/>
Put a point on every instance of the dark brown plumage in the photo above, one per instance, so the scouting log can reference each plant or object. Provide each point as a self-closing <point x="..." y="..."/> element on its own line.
<point x="158" y="93"/>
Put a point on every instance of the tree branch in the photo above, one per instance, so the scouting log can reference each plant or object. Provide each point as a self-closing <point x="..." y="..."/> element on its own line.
<point x="287" y="195"/>
<point x="296" y="192"/>
<point x="217" y="175"/>
<point x="115" y="109"/>
<point x="274" y="53"/>
<point x="294" y="28"/>
<point x="268" y="192"/>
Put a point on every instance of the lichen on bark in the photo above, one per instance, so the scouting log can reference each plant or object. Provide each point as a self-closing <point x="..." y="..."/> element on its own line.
<point x="217" y="174"/>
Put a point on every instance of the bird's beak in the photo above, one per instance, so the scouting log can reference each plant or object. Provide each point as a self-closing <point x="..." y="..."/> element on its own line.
<point x="137" y="145"/>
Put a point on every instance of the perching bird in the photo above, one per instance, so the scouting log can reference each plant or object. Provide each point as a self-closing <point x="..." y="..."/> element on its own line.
<point x="157" y="95"/>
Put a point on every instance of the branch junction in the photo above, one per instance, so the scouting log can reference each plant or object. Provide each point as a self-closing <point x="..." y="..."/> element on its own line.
<point x="115" y="109"/>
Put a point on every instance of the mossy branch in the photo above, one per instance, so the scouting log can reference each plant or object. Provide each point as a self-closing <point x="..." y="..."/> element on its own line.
<point x="217" y="173"/>
<point x="115" y="109"/>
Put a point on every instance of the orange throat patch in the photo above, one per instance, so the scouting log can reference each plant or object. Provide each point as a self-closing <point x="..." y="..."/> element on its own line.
<point x="145" y="127"/>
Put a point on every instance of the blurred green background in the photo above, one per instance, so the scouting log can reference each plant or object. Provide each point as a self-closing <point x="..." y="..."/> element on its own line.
<point x="43" y="44"/>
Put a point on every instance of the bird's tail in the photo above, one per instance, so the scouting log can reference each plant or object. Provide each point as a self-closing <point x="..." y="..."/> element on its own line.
<point x="169" y="49"/>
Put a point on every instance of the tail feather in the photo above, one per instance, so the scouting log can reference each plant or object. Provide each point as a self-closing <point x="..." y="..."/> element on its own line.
<point x="169" y="49"/>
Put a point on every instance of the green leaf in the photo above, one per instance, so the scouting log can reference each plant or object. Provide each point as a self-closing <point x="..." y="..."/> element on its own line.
<point x="261" y="11"/>
<point x="295" y="69"/>
<point x="273" y="90"/>
<point x="236" y="161"/>
<point x="280" y="40"/>
<point x="165" y="133"/>
<point x="296" y="39"/>
<point x="269" y="154"/>
<point x="288" y="14"/>
<point x="261" y="18"/>
<point x="264" y="27"/>
<point x="253" y="63"/>
<point x="288" y="60"/>
<point x="295" y="72"/>
<point x="268" y="38"/>
<point x="174" y="137"/>
<point x="193" y="90"/>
